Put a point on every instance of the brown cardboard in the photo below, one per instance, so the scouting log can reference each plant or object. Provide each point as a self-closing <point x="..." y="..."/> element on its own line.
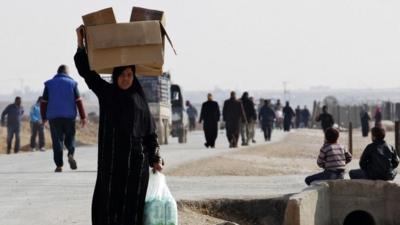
<point x="143" y="14"/>
<point x="104" y="16"/>
<point x="139" y="43"/>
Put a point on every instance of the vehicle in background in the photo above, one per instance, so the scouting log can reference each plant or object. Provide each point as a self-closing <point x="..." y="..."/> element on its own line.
<point x="157" y="91"/>
<point x="180" y="121"/>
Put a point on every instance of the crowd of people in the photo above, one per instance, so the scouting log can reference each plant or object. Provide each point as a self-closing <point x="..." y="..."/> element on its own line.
<point x="240" y="117"/>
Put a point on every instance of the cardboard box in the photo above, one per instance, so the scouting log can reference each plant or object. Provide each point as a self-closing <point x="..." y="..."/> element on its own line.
<point x="140" y="43"/>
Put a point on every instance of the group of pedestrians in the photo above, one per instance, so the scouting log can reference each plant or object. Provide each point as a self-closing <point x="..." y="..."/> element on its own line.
<point x="239" y="116"/>
<point x="58" y="105"/>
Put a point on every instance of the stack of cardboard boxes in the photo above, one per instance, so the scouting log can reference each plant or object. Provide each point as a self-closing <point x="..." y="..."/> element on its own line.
<point x="140" y="42"/>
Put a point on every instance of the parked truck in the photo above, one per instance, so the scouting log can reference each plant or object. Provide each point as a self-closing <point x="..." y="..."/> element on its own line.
<point x="166" y="106"/>
<point x="157" y="91"/>
<point x="180" y="121"/>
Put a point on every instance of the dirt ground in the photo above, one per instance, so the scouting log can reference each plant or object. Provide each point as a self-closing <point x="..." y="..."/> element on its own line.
<point x="296" y="154"/>
<point x="84" y="136"/>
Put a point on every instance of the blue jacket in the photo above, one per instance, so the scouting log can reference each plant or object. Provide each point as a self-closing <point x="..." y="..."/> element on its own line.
<point x="61" y="93"/>
<point x="34" y="114"/>
<point x="14" y="115"/>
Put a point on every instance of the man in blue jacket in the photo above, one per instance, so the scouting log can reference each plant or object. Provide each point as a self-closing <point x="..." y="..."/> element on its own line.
<point x="14" y="114"/>
<point x="61" y="99"/>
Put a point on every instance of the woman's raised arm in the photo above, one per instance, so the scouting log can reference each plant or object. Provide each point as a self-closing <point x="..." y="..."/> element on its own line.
<point x="92" y="79"/>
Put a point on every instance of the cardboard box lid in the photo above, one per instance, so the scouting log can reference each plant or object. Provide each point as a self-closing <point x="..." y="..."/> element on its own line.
<point x="125" y="34"/>
<point x="143" y="14"/>
<point x="104" y="16"/>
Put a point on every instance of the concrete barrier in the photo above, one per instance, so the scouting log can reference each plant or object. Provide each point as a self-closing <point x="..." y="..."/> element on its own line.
<point x="345" y="202"/>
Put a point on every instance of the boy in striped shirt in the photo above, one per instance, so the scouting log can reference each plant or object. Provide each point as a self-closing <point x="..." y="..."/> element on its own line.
<point x="333" y="158"/>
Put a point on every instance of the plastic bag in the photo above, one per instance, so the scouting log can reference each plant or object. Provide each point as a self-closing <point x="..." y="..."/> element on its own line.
<point x="160" y="207"/>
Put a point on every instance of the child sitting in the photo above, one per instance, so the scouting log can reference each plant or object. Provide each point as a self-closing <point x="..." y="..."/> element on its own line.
<point x="333" y="158"/>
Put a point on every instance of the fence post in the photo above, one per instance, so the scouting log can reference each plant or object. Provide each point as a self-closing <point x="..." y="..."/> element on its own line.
<point x="396" y="136"/>
<point x="351" y="138"/>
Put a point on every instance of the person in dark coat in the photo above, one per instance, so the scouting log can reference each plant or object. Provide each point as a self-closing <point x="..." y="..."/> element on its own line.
<point x="378" y="161"/>
<point x="365" y="118"/>
<point x="251" y="117"/>
<point x="233" y="115"/>
<point x="127" y="143"/>
<point x="13" y="113"/>
<point x="288" y="115"/>
<point x="298" y="117"/>
<point x="305" y="116"/>
<point x="209" y="116"/>
<point x="378" y="117"/>
<point x="325" y="118"/>
<point x="266" y="117"/>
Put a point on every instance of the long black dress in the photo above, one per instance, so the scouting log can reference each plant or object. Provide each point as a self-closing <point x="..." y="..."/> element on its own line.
<point x="127" y="146"/>
<point x="210" y="115"/>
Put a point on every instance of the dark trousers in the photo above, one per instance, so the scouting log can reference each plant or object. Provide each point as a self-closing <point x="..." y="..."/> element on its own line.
<point x="361" y="174"/>
<point x="357" y="174"/>
<point x="232" y="133"/>
<point x="286" y="124"/>
<point x="37" y="129"/>
<point x="210" y="133"/>
<point x="192" y="123"/>
<point x="62" y="133"/>
<point x="267" y="129"/>
<point x="13" y="130"/>
<point x="325" y="175"/>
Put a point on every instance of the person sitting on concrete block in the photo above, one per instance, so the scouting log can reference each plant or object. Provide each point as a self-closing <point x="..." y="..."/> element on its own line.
<point x="379" y="159"/>
<point x="333" y="158"/>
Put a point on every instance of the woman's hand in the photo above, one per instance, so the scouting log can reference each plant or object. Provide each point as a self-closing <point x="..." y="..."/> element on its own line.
<point x="158" y="166"/>
<point x="80" y="34"/>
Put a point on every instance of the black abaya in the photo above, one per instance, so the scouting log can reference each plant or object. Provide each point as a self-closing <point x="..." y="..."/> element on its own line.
<point x="127" y="146"/>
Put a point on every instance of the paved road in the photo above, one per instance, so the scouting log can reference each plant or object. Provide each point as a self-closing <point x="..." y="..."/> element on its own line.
<point x="31" y="193"/>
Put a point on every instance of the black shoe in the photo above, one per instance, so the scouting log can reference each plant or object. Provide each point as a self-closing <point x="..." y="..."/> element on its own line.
<point x="58" y="169"/>
<point x="205" y="144"/>
<point x="254" y="141"/>
<point x="72" y="162"/>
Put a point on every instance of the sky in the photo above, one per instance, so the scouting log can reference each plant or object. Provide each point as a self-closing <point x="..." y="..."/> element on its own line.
<point x="228" y="44"/>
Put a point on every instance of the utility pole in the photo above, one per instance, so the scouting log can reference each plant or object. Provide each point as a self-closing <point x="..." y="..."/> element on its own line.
<point x="285" y="91"/>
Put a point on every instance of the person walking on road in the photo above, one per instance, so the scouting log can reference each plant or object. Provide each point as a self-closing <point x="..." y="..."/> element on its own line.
<point x="378" y="117"/>
<point x="288" y="115"/>
<point x="127" y="143"/>
<point x="298" y="117"/>
<point x="60" y="100"/>
<point x="192" y="114"/>
<point x="305" y="116"/>
<point x="252" y="125"/>
<point x="251" y="117"/>
<point x="37" y="127"/>
<point x="267" y="117"/>
<point x="325" y="118"/>
<point x="13" y="113"/>
<point x="365" y="118"/>
<point x="233" y="115"/>
<point x="209" y="116"/>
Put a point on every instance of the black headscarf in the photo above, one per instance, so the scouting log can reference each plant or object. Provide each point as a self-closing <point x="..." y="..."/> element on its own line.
<point x="136" y="87"/>
<point x="125" y="111"/>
